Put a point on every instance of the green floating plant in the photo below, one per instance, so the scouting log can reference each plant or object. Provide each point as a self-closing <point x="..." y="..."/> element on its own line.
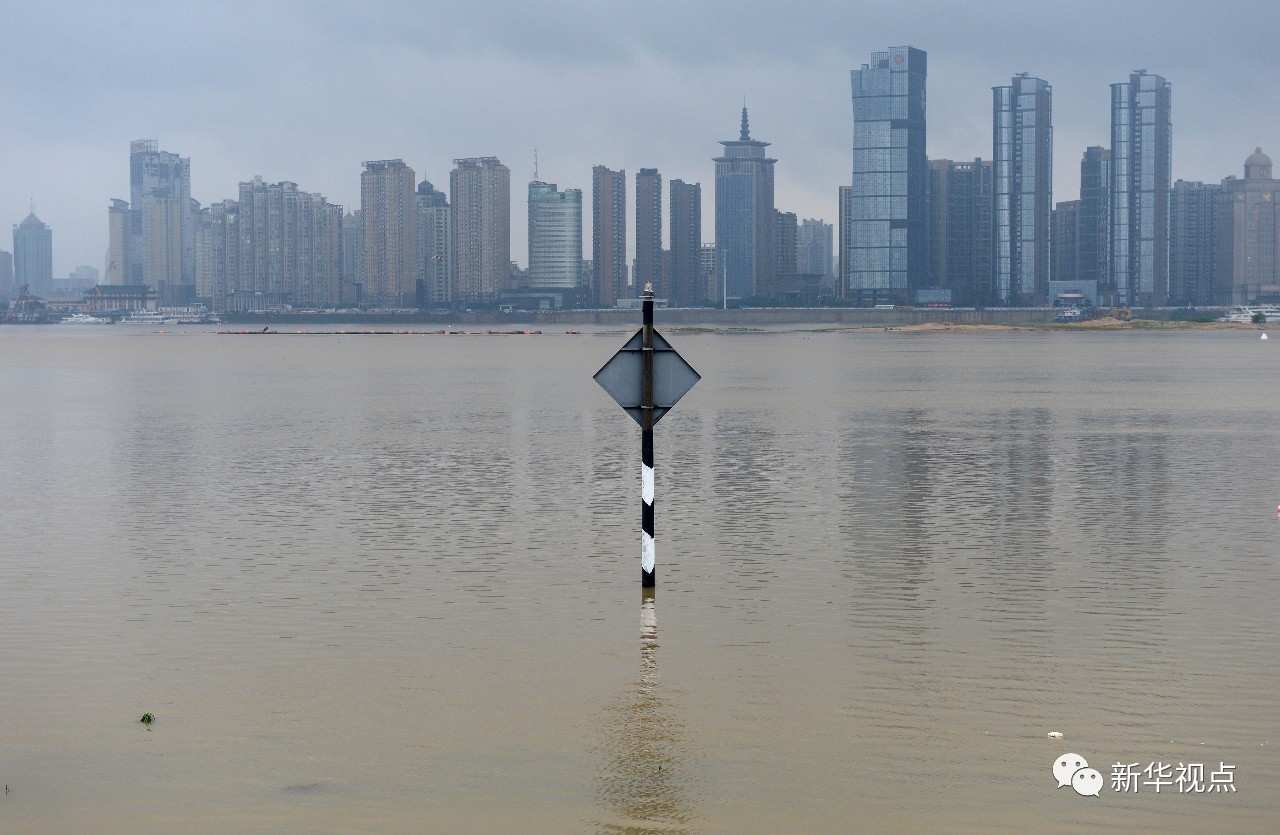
<point x="147" y="719"/>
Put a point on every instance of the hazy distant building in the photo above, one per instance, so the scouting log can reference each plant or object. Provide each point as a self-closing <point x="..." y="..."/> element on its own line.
<point x="119" y="219"/>
<point x="609" y="234"/>
<point x="684" y="285"/>
<point x="888" y="228"/>
<point x="83" y="275"/>
<point x="1022" y="158"/>
<point x="815" y="248"/>
<point x="352" y="291"/>
<point x="786" y="229"/>
<point x="960" y="211"/>
<point x="1092" y="234"/>
<point x="388" y="204"/>
<point x="555" y="238"/>
<point x="435" y="245"/>
<point x="480" y="191"/>
<point x="1249" y="234"/>
<point x="1193" y="245"/>
<point x="7" y="284"/>
<point x="745" y="220"/>
<point x="161" y="250"/>
<point x="649" y="232"/>
<point x="1141" y="176"/>
<point x="33" y="255"/>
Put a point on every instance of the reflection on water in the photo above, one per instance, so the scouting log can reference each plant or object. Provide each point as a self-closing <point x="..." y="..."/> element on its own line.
<point x="644" y="776"/>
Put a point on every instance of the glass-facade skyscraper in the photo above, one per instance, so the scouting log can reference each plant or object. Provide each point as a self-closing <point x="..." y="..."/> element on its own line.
<point x="1022" y="156"/>
<point x="745" y="221"/>
<point x="555" y="237"/>
<point x="888" y="228"/>
<point x="1141" y="176"/>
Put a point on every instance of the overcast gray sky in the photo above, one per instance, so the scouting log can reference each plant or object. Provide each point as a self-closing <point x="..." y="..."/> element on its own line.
<point x="305" y="91"/>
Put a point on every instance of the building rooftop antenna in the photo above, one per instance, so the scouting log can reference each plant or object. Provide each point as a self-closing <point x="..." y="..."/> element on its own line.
<point x="535" y="163"/>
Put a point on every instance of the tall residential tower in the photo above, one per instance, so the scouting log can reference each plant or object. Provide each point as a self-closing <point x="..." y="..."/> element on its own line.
<point x="609" y="234"/>
<point x="480" y="191"/>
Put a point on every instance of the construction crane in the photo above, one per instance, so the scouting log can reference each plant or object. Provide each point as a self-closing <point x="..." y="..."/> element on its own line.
<point x="26" y="308"/>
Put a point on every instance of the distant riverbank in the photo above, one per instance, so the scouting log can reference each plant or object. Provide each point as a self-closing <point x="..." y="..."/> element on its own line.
<point x="837" y="317"/>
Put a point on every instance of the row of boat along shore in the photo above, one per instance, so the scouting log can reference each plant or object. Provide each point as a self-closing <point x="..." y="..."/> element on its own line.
<point x="269" y="332"/>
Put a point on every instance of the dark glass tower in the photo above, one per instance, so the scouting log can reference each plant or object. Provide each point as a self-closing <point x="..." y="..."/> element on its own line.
<point x="960" y="229"/>
<point x="888" y="227"/>
<point x="1022" y="132"/>
<point x="1095" y="197"/>
<point x="1141" y="176"/>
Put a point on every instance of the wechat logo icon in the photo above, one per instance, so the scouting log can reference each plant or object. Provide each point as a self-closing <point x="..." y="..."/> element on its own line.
<point x="1074" y="771"/>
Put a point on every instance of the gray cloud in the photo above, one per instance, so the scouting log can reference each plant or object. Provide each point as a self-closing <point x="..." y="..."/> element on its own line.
<point x="305" y="91"/>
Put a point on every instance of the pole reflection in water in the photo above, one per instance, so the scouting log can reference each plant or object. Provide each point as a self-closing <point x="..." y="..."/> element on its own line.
<point x="643" y="779"/>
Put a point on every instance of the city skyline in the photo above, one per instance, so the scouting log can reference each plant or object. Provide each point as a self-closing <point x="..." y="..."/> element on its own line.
<point x="310" y="122"/>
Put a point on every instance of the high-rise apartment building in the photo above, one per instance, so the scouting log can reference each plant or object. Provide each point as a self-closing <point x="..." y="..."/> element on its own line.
<point x="218" y="260"/>
<point x="1249" y="236"/>
<point x="745" y="219"/>
<point x="609" y="234"/>
<point x="435" y="244"/>
<point x="33" y="254"/>
<point x="1022" y="130"/>
<point x="1141" y="177"/>
<point x="480" y="191"/>
<point x="290" y="247"/>
<point x="162" y="245"/>
<point x="960" y="204"/>
<point x="555" y="238"/>
<point x="649" y="232"/>
<point x="684" y="285"/>
<point x="1193" y="245"/>
<point x="1092" y="235"/>
<point x="888" y="228"/>
<point x="388" y="204"/>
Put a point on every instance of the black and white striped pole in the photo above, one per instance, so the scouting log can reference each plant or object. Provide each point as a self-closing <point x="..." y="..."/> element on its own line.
<point x="646" y="377"/>
<point x="648" y="556"/>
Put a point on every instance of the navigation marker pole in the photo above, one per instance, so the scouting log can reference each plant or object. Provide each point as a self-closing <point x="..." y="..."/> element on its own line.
<point x="646" y="378"/>
<point x="648" y="557"/>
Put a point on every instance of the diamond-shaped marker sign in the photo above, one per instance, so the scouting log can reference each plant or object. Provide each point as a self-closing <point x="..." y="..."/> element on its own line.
<point x="672" y="377"/>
